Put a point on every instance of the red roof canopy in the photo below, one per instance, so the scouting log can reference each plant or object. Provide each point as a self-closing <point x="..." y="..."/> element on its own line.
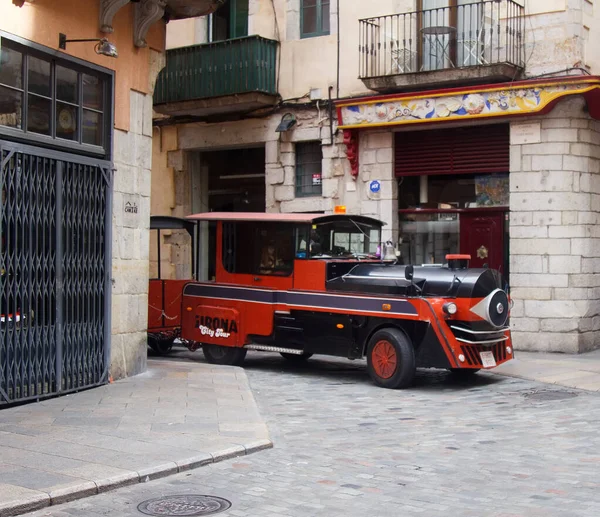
<point x="280" y="218"/>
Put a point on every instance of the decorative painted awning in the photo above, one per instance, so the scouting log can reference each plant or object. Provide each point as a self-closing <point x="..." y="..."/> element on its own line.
<point x="514" y="99"/>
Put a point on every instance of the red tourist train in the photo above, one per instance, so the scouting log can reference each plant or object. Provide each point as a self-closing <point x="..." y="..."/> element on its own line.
<point x="304" y="284"/>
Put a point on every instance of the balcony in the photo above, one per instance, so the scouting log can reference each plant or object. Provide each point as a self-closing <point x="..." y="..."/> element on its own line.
<point x="480" y="42"/>
<point x="235" y="76"/>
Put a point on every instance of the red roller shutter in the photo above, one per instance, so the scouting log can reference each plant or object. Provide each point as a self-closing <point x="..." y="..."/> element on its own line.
<point x="470" y="150"/>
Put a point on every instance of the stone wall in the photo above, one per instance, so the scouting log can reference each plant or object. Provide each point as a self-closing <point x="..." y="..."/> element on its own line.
<point x="132" y="158"/>
<point x="554" y="232"/>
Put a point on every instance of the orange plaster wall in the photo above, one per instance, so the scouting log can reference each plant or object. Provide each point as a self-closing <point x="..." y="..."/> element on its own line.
<point x="42" y="21"/>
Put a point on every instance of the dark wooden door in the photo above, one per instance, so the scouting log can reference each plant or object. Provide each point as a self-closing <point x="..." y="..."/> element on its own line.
<point x="482" y="237"/>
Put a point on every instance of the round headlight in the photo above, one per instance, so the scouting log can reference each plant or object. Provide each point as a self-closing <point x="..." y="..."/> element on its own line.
<point x="450" y="308"/>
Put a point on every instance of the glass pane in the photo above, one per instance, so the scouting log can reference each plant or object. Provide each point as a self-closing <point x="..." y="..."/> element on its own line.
<point x="428" y="238"/>
<point x="241" y="19"/>
<point x="66" y="85"/>
<point x="11" y="104"/>
<point x="92" y="128"/>
<point x="39" y="76"/>
<point x="66" y="121"/>
<point x="325" y="17"/>
<point x="93" y="92"/>
<point x="309" y="20"/>
<point x="38" y="115"/>
<point x="11" y="67"/>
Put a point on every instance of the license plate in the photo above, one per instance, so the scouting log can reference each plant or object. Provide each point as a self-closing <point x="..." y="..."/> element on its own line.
<point x="487" y="359"/>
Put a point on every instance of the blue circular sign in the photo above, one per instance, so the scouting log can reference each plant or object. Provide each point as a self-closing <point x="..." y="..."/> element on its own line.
<point x="375" y="186"/>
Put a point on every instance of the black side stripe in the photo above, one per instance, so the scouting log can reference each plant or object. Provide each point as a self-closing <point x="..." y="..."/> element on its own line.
<point x="293" y="298"/>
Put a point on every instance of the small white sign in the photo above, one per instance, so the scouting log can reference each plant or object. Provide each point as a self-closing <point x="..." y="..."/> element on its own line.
<point x="350" y="186"/>
<point x="526" y="133"/>
<point x="487" y="359"/>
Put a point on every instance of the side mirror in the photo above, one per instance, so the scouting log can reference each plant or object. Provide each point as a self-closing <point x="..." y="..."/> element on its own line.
<point x="409" y="272"/>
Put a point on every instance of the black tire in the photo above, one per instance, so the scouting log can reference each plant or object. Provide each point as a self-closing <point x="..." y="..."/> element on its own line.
<point x="295" y="358"/>
<point x="464" y="372"/>
<point x="160" y="346"/>
<point x="226" y="355"/>
<point x="391" y="359"/>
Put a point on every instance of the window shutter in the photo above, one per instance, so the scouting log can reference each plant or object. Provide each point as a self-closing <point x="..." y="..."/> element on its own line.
<point x="471" y="150"/>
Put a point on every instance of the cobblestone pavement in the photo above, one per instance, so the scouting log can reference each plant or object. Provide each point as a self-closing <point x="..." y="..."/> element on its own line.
<point x="343" y="447"/>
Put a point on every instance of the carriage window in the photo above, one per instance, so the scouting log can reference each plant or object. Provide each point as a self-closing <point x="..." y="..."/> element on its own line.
<point x="258" y="249"/>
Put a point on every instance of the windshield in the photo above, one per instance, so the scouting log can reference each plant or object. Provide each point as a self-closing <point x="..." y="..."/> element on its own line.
<point x="346" y="238"/>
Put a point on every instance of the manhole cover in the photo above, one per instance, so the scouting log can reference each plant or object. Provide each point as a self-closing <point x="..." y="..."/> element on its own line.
<point x="549" y="395"/>
<point x="184" y="505"/>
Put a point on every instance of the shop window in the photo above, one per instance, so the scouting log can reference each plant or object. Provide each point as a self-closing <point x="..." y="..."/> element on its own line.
<point x="309" y="160"/>
<point x="56" y="98"/>
<point x="447" y="192"/>
<point x="259" y="250"/>
<point x="314" y="18"/>
<point x="428" y="238"/>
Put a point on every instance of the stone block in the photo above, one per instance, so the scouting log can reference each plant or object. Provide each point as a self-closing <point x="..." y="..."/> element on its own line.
<point x="589" y="136"/>
<point x="528" y="232"/>
<point x="588" y="217"/>
<point x="330" y="188"/>
<point x="580" y="123"/>
<point x="546" y="342"/>
<point x="307" y="204"/>
<point x="306" y="134"/>
<point x="568" y="218"/>
<point x="556" y="123"/>
<point x="590" y="265"/>
<point x="274" y="175"/>
<point x="525" y="263"/>
<point x="541" y="246"/>
<point x="562" y="232"/>
<point x="515" y="158"/>
<point x="326" y="168"/>
<point x="368" y="157"/>
<point x="287" y="159"/>
<point x="272" y="152"/>
<point x="136" y="112"/>
<point x="288" y="147"/>
<point x="521" y="218"/>
<point x="380" y="140"/>
<point x="560" y="135"/>
<point x="385" y="155"/>
<point x="539" y="280"/>
<point x="542" y="201"/>
<point x="338" y="167"/>
<point x="147" y="104"/>
<point x="585" y="247"/>
<point x="143" y="179"/>
<point x="142" y="155"/>
<point x="531" y="293"/>
<point x="546" y="218"/>
<point x="564" y="264"/>
<point x="289" y="175"/>
<point x="556" y="308"/>
<point x="122" y="146"/>
<point x="526" y="164"/>
<point x="586" y="150"/>
<point x="524" y="324"/>
<point x="331" y="151"/>
<point x="576" y="163"/>
<point x="125" y="179"/>
<point x="585" y="280"/>
<point x="546" y="162"/>
<point x="284" y="193"/>
<point x="545" y="148"/>
<point x="559" y="325"/>
<point x="570" y="293"/>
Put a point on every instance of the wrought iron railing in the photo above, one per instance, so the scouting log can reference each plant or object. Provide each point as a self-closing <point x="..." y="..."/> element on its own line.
<point x="229" y="67"/>
<point x="468" y="35"/>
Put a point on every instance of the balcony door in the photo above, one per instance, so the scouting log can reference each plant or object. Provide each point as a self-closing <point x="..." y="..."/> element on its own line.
<point x="450" y="33"/>
<point x="229" y="21"/>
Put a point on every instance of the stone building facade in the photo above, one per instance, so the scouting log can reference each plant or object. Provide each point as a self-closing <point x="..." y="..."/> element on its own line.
<point x="539" y="146"/>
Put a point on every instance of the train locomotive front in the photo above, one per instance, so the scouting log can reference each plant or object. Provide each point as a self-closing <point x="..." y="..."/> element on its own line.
<point x="343" y="303"/>
<point x="462" y="321"/>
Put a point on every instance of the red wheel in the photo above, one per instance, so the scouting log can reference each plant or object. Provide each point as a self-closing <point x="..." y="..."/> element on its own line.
<point x="384" y="359"/>
<point x="391" y="359"/>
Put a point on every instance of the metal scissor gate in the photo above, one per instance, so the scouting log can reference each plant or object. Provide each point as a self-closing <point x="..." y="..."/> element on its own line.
<point x="55" y="260"/>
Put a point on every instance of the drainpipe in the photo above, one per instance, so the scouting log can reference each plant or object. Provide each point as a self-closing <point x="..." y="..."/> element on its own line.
<point x="338" y="49"/>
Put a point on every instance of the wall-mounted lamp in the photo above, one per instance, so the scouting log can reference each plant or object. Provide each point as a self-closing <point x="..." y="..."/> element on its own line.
<point x="103" y="46"/>
<point x="288" y="121"/>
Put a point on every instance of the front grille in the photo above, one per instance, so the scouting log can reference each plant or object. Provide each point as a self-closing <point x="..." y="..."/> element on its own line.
<point x="471" y="353"/>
